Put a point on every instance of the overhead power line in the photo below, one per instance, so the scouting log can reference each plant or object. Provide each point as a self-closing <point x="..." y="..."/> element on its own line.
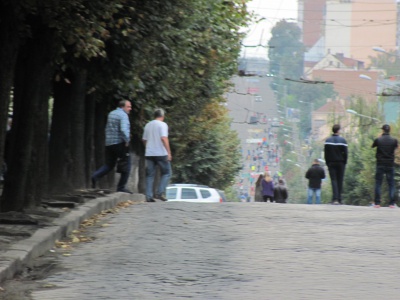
<point x="335" y="11"/>
<point x="258" y="45"/>
<point x="388" y="94"/>
<point x="302" y="80"/>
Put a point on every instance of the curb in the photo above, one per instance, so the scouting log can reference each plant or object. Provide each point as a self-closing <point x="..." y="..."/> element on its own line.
<point x="25" y="251"/>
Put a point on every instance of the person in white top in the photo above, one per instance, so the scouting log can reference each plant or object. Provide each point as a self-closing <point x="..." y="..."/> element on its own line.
<point x="158" y="153"/>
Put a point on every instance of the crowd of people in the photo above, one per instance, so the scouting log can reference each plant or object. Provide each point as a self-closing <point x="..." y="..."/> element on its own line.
<point x="261" y="179"/>
<point x="268" y="190"/>
<point x="261" y="157"/>
<point x="336" y="154"/>
<point x="273" y="189"/>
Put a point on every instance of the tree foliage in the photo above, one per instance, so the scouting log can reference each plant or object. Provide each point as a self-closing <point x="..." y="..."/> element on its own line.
<point x="214" y="157"/>
<point x="390" y="62"/>
<point x="307" y="98"/>
<point x="359" y="178"/>
<point x="286" y="54"/>
<point x="174" y="54"/>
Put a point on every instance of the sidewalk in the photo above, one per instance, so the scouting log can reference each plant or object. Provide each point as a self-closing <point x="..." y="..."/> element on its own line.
<point x="21" y="244"/>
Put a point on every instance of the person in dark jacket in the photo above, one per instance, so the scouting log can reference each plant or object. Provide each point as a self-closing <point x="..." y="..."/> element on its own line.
<point x="267" y="188"/>
<point x="315" y="174"/>
<point x="280" y="192"/>
<point x="258" y="189"/>
<point x="385" y="148"/>
<point x="335" y="150"/>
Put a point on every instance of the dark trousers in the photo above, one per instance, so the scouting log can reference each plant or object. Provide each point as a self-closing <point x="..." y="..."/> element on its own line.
<point x="113" y="153"/>
<point x="266" y="198"/>
<point x="389" y="172"/>
<point x="336" y="173"/>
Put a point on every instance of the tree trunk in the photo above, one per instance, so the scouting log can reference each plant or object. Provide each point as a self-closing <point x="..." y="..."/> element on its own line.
<point x="89" y="136"/>
<point x="77" y="168"/>
<point x="59" y="140"/>
<point x="8" y="56"/>
<point x="26" y="179"/>
<point x="67" y="140"/>
<point x="142" y="175"/>
<point x="99" y="142"/>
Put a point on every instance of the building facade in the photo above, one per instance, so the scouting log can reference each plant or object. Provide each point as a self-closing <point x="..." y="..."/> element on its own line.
<point x="351" y="27"/>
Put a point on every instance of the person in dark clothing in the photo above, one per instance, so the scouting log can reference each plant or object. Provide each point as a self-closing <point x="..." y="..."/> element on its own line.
<point x="385" y="148"/>
<point x="315" y="174"/>
<point x="267" y="188"/>
<point x="117" y="145"/>
<point x="280" y="192"/>
<point x="258" y="189"/>
<point x="335" y="150"/>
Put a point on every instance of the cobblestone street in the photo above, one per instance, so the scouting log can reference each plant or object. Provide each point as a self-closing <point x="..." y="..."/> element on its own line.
<point x="236" y="251"/>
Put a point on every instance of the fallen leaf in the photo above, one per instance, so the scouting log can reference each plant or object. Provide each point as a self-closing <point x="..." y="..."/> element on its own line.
<point x="85" y="239"/>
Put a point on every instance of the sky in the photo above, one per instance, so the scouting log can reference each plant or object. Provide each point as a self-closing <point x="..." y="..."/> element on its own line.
<point x="273" y="11"/>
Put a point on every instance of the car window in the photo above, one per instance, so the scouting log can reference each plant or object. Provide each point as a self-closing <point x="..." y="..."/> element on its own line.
<point x="171" y="193"/>
<point x="188" y="193"/>
<point x="205" y="194"/>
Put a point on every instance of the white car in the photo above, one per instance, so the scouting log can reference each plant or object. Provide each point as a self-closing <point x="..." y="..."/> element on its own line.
<point x="193" y="193"/>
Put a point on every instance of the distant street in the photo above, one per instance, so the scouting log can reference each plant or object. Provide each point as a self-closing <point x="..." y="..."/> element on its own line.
<point x="236" y="251"/>
<point x="253" y="108"/>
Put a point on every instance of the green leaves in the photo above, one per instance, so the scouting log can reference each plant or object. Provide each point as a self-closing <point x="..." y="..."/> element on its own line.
<point x="286" y="56"/>
<point x="210" y="154"/>
<point x="360" y="171"/>
<point x="390" y="62"/>
<point x="178" y="55"/>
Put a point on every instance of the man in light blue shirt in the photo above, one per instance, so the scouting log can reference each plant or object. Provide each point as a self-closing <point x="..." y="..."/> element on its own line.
<point x="158" y="153"/>
<point x="117" y="145"/>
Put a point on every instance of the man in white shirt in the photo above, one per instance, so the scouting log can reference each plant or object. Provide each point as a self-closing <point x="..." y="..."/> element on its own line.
<point x="158" y="153"/>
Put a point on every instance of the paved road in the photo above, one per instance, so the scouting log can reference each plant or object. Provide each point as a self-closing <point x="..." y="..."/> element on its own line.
<point x="237" y="251"/>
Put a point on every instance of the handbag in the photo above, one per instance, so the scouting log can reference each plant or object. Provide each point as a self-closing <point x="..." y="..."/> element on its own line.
<point x="123" y="164"/>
